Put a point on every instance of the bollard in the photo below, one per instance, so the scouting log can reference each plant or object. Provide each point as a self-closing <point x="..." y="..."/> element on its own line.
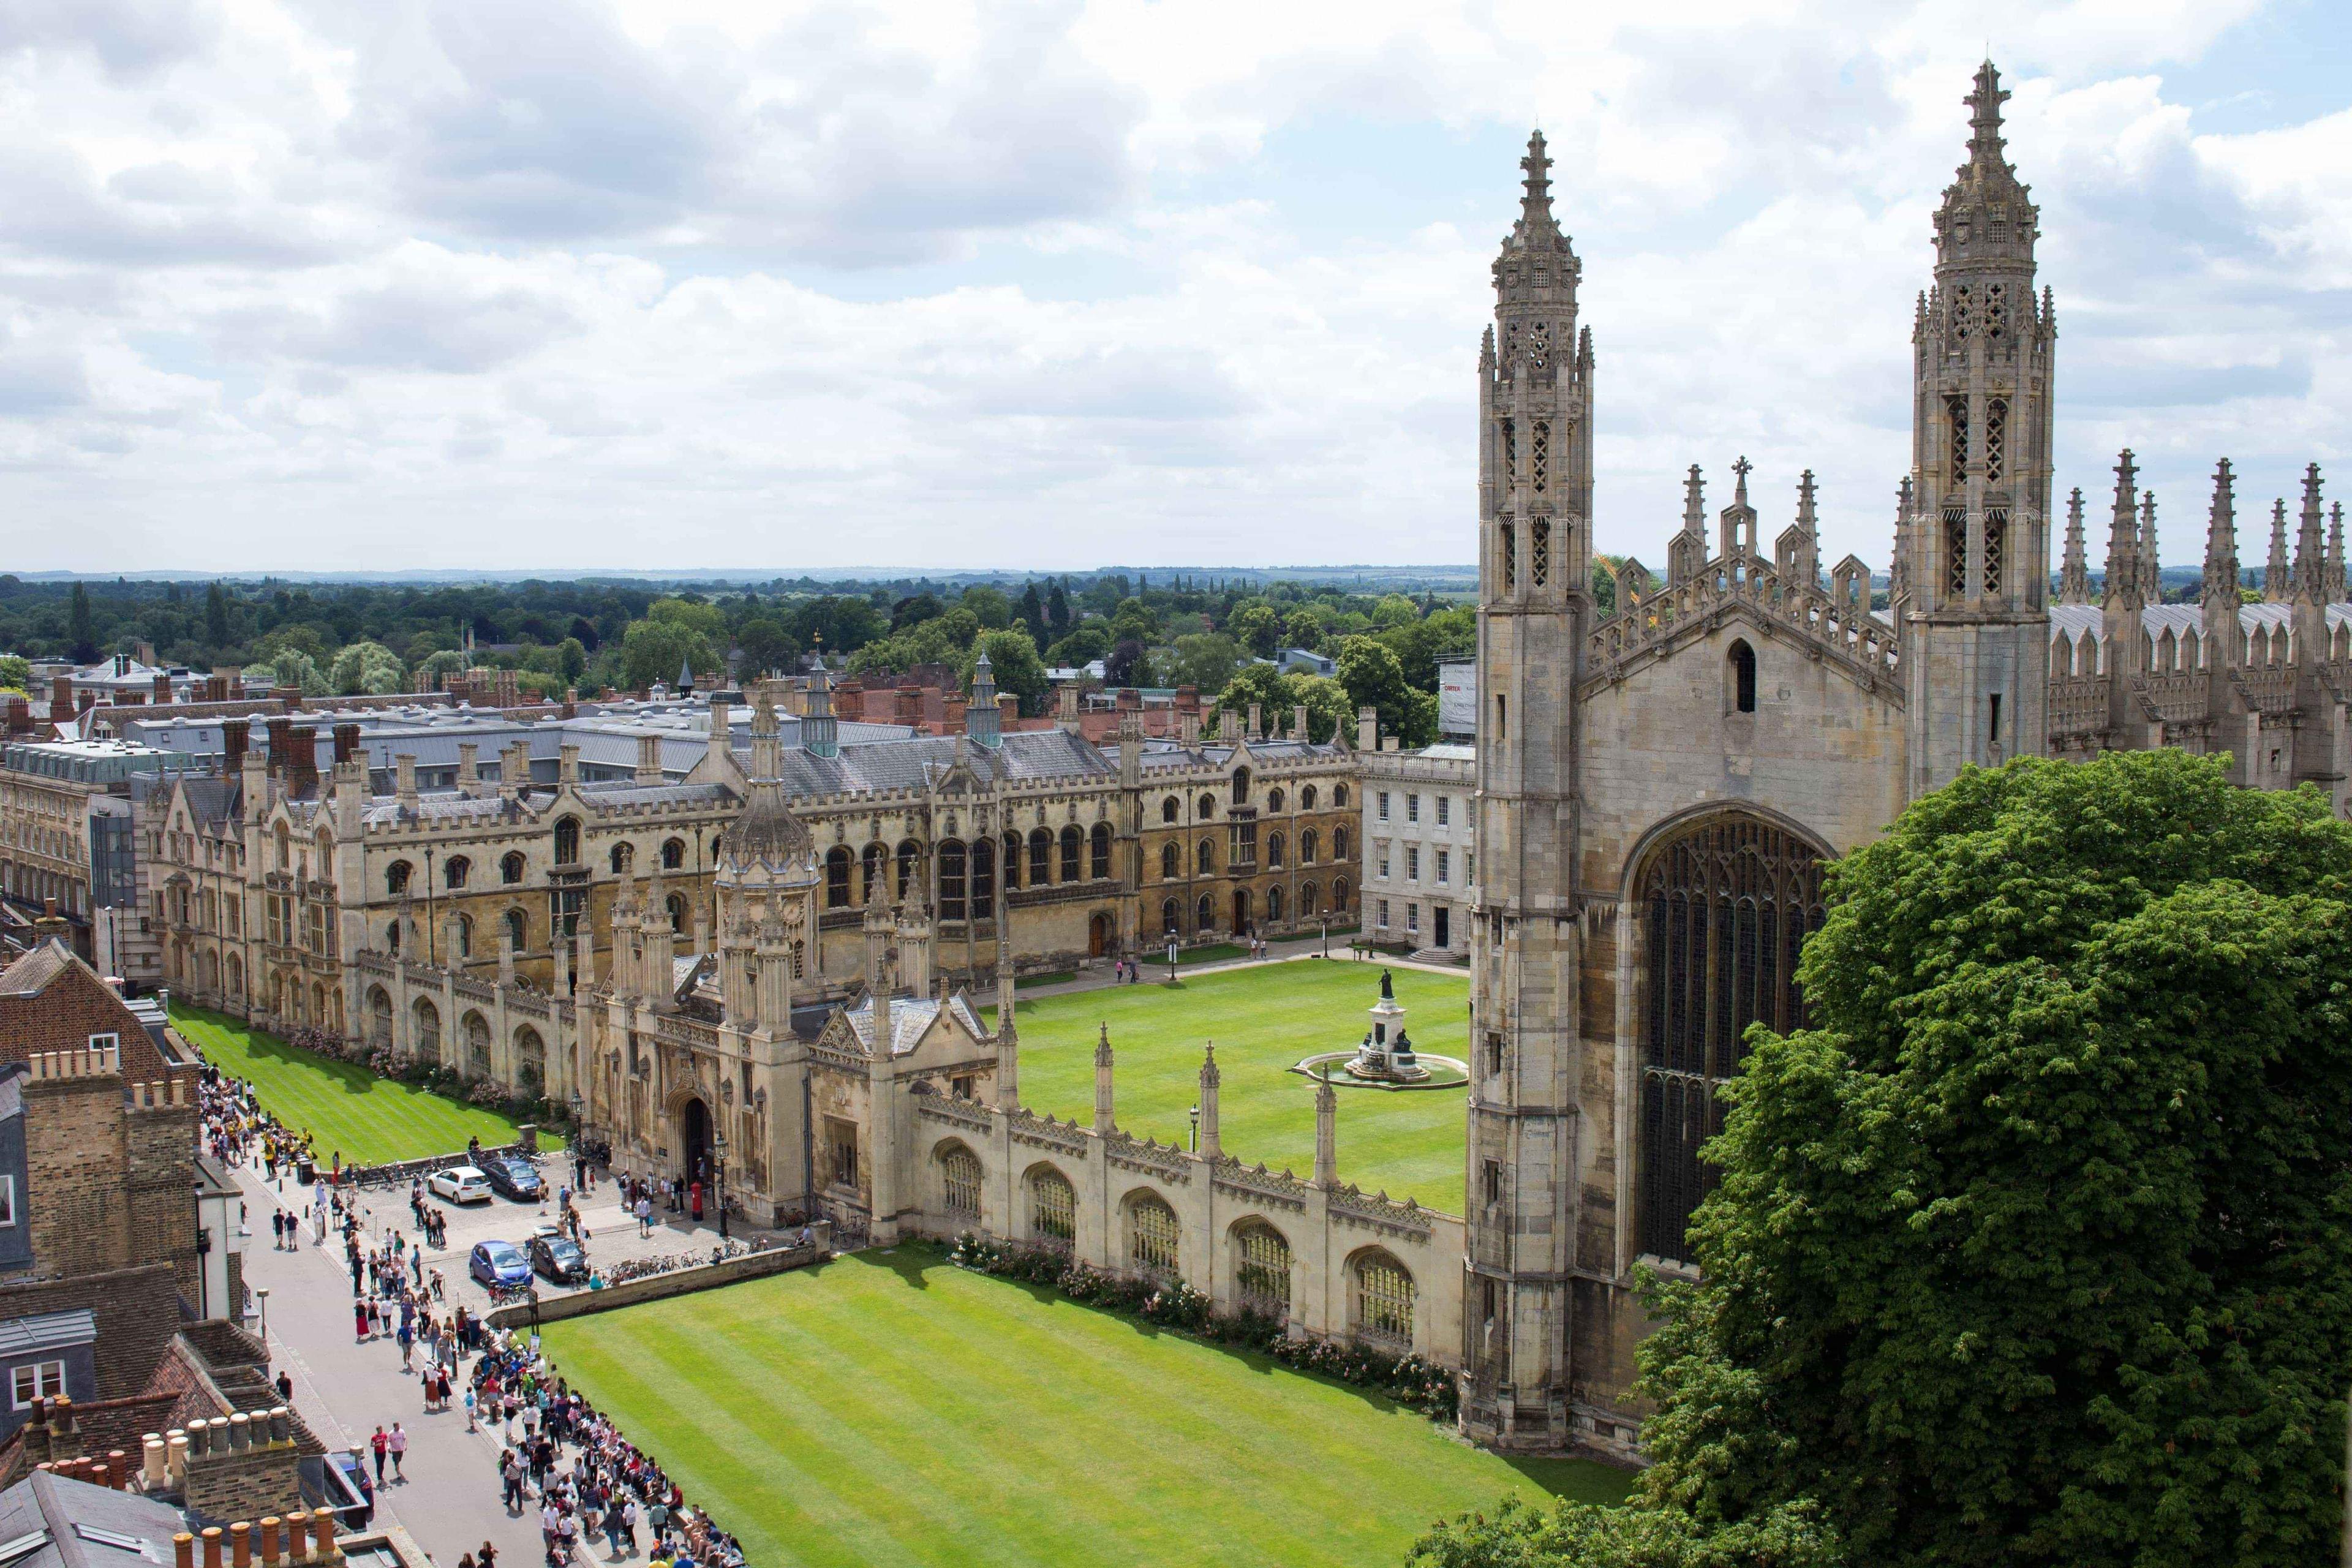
<point x="240" y="1545"/>
<point x="212" y="1546"/>
<point x="153" y="1462"/>
<point x="269" y="1542"/>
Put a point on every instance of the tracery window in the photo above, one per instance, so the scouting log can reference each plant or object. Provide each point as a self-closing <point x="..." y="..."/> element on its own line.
<point x="1726" y="908"/>
<point x="1996" y="544"/>
<point x="1152" y="1235"/>
<point x="1955" y="551"/>
<point x="951" y="882"/>
<point x="1964" y="312"/>
<point x="1996" y="306"/>
<point x="1171" y="864"/>
<point x="453" y="871"/>
<point x="1053" y="1207"/>
<point x="1262" y="1273"/>
<point x="983" y="879"/>
<point x="837" y="878"/>
<point x="1956" y="408"/>
<point x="567" y="841"/>
<point x="1995" y="439"/>
<point x="1073" y="850"/>
<point x="1540" y="551"/>
<point x="1540" y="457"/>
<point x="1041" y="858"/>
<point x="960" y="1174"/>
<point x="1383" y="1299"/>
<point x="1510" y="549"/>
<point x="510" y="866"/>
<point x="673" y="854"/>
<point x="1098" y="857"/>
<point x="1510" y="452"/>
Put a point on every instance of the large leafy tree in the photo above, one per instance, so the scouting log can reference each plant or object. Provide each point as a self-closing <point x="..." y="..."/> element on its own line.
<point x="2037" y="1248"/>
<point x="1374" y="677"/>
<point x="1013" y="662"/>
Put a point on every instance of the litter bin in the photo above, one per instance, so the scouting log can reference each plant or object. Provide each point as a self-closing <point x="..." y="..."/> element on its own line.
<point x="306" y="1172"/>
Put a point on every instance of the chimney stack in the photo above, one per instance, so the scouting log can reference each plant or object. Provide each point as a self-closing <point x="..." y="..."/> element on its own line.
<point x="163" y="687"/>
<point x="61" y="697"/>
<point x="302" y="765"/>
<point x="281" y="745"/>
<point x="235" y="735"/>
<point x="347" y="742"/>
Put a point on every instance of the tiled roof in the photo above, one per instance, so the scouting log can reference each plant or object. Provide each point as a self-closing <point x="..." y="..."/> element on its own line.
<point x="910" y="1016"/>
<point x="52" y="1001"/>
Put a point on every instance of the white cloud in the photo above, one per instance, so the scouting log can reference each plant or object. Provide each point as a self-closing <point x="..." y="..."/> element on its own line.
<point x="564" y="283"/>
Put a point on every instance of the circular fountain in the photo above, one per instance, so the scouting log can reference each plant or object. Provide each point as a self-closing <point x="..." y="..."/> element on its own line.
<point x="1386" y="1058"/>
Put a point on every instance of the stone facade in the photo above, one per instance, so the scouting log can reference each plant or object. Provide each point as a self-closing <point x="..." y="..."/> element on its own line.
<point x="1658" y="788"/>
<point x="1420" y="838"/>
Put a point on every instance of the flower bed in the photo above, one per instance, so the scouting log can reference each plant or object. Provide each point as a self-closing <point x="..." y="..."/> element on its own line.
<point x="447" y="1081"/>
<point x="1410" y="1380"/>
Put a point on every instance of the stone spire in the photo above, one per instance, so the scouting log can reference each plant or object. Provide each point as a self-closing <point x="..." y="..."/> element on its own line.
<point x="2123" y="580"/>
<point x="1693" y="503"/>
<point x="2310" y="542"/>
<point x="1104" y="1120"/>
<point x="2151" y="586"/>
<point x="820" y="730"/>
<point x="1536" y="221"/>
<point x="982" y="721"/>
<point x="2222" y="543"/>
<point x="1210" y="1078"/>
<point x="1327" y="1133"/>
<point x="1008" y="1029"/>
<point x="2275" y="571"/>
<point x="2074" y="573"/>
<point x="1898" y="568"/>
<point x="1985" y="216"/>
<point x="2336" y="582"/>
<point x="684" y="675"/>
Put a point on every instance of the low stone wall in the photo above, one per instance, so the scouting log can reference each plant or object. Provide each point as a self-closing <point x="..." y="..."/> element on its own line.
<point x="661" y="1287"/>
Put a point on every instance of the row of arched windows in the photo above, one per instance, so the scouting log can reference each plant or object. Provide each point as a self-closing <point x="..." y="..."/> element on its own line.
<point x="458" y="871"/>
<point x="1171" y="809"/>
<point x="968" y="872"/>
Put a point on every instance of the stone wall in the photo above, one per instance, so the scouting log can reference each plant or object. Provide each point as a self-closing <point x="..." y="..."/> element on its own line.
<point x="662" y="1287"/>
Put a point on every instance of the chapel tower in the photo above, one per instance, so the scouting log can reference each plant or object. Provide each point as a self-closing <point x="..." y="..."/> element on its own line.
<point x="1974" y="611"/>
<point x="1535" y="508"/>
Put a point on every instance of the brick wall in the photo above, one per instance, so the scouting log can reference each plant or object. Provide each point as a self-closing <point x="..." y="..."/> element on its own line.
<point x="75" y="1194"/>
<point x="137" y="1311"/>
<point x="246" y="1483"/>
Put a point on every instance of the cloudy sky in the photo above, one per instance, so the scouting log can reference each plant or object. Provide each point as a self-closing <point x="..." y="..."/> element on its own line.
<point x="566" y="284"/>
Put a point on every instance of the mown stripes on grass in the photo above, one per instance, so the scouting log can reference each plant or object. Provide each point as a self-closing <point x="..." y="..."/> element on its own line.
<point x="347" y="1109"/>
<point x="889" y="1410"/>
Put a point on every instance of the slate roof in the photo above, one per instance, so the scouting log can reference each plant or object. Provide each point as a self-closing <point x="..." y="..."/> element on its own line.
<point x="76" y="1516"/>
<point x="2073" y="620"/>
<point x="910" y="1016"/>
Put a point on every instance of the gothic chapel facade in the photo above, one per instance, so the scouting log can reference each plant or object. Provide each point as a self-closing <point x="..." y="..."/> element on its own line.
<point x="1659" y="789"/>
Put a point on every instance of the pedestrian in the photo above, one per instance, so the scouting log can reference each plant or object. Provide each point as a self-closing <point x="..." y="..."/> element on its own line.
<point x="397" y="1444"/>
<point x="285" y="1387"/>
<point x="407" y="1339"/>
<point x="511" y="1473"/>
<point x="487" y="1557"/>
<point x="645" y="1217"/>
<point x="469" y="1408"/>
<point x="380" y="1442"/>
<point x="360" y="1321"/>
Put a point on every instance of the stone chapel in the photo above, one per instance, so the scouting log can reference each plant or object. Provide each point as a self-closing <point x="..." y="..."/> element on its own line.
<point x="1659" y="786"/>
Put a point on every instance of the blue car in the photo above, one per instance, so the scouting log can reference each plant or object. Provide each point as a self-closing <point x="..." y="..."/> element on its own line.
<point x="499" y="1263"/>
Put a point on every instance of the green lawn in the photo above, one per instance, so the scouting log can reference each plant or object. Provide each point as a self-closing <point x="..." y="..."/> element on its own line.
<point x="888" y="1410"/>
<point x="349" y="1110"/>
<point x="1263" y="1020"/>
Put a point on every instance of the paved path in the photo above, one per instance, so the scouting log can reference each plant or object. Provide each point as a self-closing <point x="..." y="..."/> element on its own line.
<point x="1096" y="976"/>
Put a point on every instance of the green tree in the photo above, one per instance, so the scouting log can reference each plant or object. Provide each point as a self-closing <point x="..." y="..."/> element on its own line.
<point x="570" y="660"/>
<point x="2037" y="1248"/>
<point x="913" y="611"/>
<point x="366" y="668"/>
<point x="1585" y="1535"/>
<point x="1206" y="660"/>
<point x="653" y="649"/>
<point x="1329" y="710"/>
<point x="1308" y="626"/>
<point x="447" y="662"/>
<point x="988" y="607"/>
<point x="15" y="672"/>
<point x="767" y="644"/>
<point x="1373" y="678"/>
<point x="1088" y="643"/>
<point x="1058" y="611"/>
<point x="1257" y="625"/>
<point x="1394" y="610"/>
<point x="216" y="622"/>
<point x="291" y="668"/>
<point x="706" y="621"/>
<point x="81" y="629"/>
<point x="1032" y="610"/>
<point x="1013" y="659"/>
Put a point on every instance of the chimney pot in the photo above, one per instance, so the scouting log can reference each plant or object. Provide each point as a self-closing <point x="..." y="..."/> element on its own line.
<point x="240" y="1542"/>
<point x="184" y="1551"/>
<point x="212" y="1546"/>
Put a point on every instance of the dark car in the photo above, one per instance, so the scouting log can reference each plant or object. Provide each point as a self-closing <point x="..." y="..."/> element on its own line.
<point x="560" y="1259"/>
<point x="514" y="1178"/>
<point x="499" y="1263"/>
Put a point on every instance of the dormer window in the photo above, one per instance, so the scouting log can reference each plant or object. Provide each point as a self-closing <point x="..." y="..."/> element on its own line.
<point x="105" y="1042"/>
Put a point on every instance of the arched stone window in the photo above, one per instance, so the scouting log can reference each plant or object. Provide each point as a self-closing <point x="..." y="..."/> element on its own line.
<point x="510" y="866"/>
<point x="1153" y="1235"/>
<point x="284" y="841"/>
<point x="983" y="879"/>
<point x="1168" y="810"/>
<point x="673" y="854"/>
<point x="1074" y="849"/>
<point x="837" y="878"/>
<point x="1262" y="1268"/>
<point x="1308" y="894"/>
<point x="1724" y="907"/>
<point x="1204" y="857"/>
<point x="478" y="1046"/>
<point x="379" y="1018"/>
<point x="624" y="857"/>
<point x="1339" y="895"/>
<point x="1340" y="800"/>
<point x="1171" y="863"/>
<point x="567" y="841"/>
<point x="395" y="878"/>
<point x="465" y="936"/>
<point x="1041" y="858"/>
<point x="531" y="1061"/>
<point x="517" y="930"/>
<point x="1274" y="904"/>
<point x="1241" y="786"/>
<point x="1208" y="808"/>
<point x="1739" y="677"/>
<point x="1274" y="848"/>
<point x="1053" y="1208"/>
<point x="1306" y="847"/>
<point x="1274" y="800"/>
<point x="675" y="905"/>
<point x="1382" y="1300"/>
<point x="910" y="854"/>
<point x="392" y="939"/>
<point x="455" y="870"/>
<point x="1206" y="916"/>
<point x="951" y="880"/>
<point x="870" y="869"/>
<point x="959" y="1178"/>
<point x="1306" y="797"/>
<point x="1098" y="860"/>
<point x="1338" y="844"/>
<point x="1170" y="921"/>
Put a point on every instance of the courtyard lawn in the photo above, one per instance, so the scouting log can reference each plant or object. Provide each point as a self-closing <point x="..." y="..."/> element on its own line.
<point x="889" y="1410"/>
<point x="346" y="1108"/>
<point x="1408" y="1144"/>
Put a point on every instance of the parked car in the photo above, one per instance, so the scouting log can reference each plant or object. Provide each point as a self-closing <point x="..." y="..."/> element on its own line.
<point x="460" y="1184"/>
<point x="499" y="1263"/>
<point x="560" y="1259"/>
<point x="514" y="1178"/>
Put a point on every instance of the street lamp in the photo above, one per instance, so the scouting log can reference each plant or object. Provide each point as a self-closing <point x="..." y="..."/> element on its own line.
<point x="1171" y="961"/>
<point x="1327" y="936"/>
<point x="262" y="1291"/>
<point x="719" y="1148"/>
<point x="1196" y="1128"/>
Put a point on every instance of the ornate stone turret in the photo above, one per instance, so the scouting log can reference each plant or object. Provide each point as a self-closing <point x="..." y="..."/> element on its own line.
<point x="1798" y="553"/>
<point x="2075" y="570"/>
<point x="2335" y="579"/>
<point x="820" y="730"/>
<point x="982" y="720"/>
<point x="1326" y="1134"/>
<point x="1103" y="1120"/>
<point x="2220" y="595"/>
<point x="2310" y="547"/>
<point x="2275" y="570"/>
<point x="2125" y="583"/>
<point x="2151" y="581"/>
<point x="1210" y="1147"/>
<point x="766" y="882"/>
<point x="1008" y="1029"/>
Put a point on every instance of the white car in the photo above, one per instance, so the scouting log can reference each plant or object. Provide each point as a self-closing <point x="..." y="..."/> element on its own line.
<point x="460" y="1184"/>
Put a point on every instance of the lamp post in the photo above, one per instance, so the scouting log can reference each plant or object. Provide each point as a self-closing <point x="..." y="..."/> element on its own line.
<point x="1327" y="936"/>
<point x="1171" y="961"/>
<point x="1196" y="1128"/>
<point x="262" y="1292"/>
<point x="718" y="1172"/>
